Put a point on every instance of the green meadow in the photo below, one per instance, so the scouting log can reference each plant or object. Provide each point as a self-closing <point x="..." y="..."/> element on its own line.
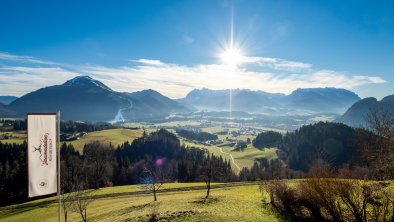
<point x="233" y="203"/>
<point x="245" y="158"/>
<point x="114" y="136"/>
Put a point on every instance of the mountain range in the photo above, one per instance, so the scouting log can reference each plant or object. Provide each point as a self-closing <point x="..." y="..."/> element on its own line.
<point x="86" y="99"/>
<point x="309" y="100"/>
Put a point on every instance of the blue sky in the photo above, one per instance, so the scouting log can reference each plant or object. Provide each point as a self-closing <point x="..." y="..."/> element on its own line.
<point x="175" y="46"/>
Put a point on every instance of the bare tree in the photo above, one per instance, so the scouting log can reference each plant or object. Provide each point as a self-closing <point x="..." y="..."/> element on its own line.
<point x="153" y="179"/>
<point x="67" y="202"/>
<point x="207" y="175"/>
<point x="82" y="198"/>
<point x="71" y="171"/>
<point x="377" y="143"/>
<point x="209" y="171"/>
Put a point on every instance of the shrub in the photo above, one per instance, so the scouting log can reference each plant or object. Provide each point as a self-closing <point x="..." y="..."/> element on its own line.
<point x="332" y="199"/>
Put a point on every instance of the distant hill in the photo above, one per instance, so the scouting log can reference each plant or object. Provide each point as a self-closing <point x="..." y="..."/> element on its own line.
<point x="316" y="100"/>
<point x="7" y="99"/>
<point x="6" y="112"/>
<point x="356" y="115"/>
<point x="331" y="142"/>
<point x="331" y="100"/>
<point x="86" y="99"/>
<point x="158" y="103"/>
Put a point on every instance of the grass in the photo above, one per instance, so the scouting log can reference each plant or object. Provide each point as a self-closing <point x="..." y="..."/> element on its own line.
<point x="241" y="203"/>
<point x="15" y="137"/>
<point x="114" y="136"/>
<point x="133" y="188"/>
<point x="245" y="158"/>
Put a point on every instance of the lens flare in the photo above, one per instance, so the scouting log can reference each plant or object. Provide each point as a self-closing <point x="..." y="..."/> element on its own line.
<point x="159" y="162"/>
<point x="231" y="53"/>
<point x="231" y="56"/>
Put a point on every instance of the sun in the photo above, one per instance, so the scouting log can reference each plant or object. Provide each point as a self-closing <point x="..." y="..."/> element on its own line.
<point x="231" y="53"/>
<point x="232" y="56"/>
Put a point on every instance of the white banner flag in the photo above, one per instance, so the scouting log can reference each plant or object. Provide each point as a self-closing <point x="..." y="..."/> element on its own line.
<point x="42" y="155"/>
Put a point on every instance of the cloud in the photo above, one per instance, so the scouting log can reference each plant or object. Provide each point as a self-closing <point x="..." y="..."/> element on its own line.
<point x="23" y="59"/>
<point x="176" y="80"/>
<point x="278" y="64"/>
<point x="20" y="80"/>
<point x="148" y="62"/>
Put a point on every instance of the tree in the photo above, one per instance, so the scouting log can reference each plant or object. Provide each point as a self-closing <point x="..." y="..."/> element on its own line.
<point x="67" y="200"/>
<point x="376" y="143"/>
<point x="332" y="142"/>
<point x="240" y="146"/>
<point x="153" y="178"/>
<point x="98" y="158"/>
<point x="82" y="199"/>
<point x="267" y="139"/>
<point x="71" y="166"/>
<point x="212" y="169"/>
<point x="196" y="135"/>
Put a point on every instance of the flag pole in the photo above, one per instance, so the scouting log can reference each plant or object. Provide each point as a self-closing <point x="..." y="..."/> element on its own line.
<point x="58" y="166"/>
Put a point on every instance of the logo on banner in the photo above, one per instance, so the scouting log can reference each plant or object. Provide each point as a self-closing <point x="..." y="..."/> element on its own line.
<point x="43" y="184"/>
<point x="44" y="149"/>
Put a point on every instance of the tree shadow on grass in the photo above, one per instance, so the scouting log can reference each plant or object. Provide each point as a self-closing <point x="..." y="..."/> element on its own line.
<point x="209" y="200"/>
<point x="132" y="208"/>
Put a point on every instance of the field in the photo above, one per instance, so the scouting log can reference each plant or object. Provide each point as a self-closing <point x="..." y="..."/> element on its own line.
<point x="113" y="136"/>
<point x="245" y="158"/>
<point x="235" y="203"/>
<point x="14" y="137"/>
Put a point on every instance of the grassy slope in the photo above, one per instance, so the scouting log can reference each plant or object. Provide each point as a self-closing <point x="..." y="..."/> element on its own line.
<point x="228" y="204"/>
<point x="245" y="158"/>
<point x="114" y="136"/>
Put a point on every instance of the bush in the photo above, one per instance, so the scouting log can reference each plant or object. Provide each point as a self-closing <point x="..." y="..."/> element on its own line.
<point x="332" y="199"/>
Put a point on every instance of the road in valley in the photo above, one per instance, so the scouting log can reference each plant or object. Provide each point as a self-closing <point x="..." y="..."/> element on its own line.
<point x="231" y="157"/>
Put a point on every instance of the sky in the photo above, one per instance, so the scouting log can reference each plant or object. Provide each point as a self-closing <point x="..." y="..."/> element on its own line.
<point x="176" y="46"/>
